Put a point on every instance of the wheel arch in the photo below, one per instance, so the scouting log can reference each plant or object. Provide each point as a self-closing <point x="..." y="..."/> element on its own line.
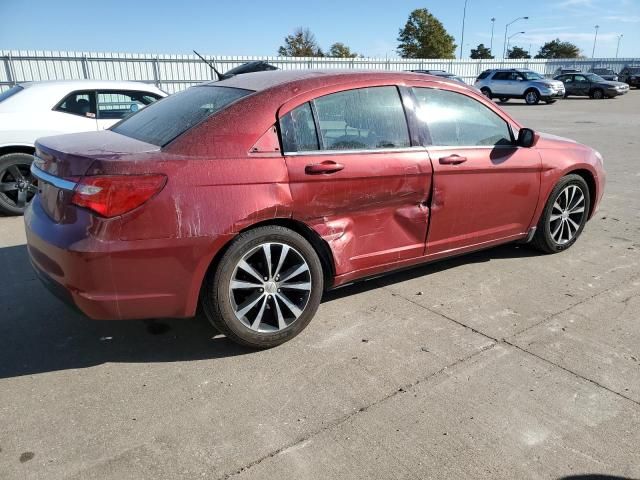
<point x="6" y="149"/>
<point x="589" y="178"/>
<point x="317" y="243"/>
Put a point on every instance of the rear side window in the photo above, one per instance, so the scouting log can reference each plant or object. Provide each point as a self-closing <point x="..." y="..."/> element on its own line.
<point x="82" y="104"/>
<point x="366" y="118"/>
<point x="11" y="92"/>
<point x="483" y="75"/>
<point x="502" y="76"/>
<point x="163" y="121"/>
<point x="115" y="104"/>
<point x="298" y="130"/>
<point x="453" y="119"/>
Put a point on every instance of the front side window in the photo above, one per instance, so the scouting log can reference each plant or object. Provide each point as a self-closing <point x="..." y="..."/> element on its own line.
<point x="532" y="76"/>
<point x="454" y="119"/>
<point x="114" y="104"/>
<point x="11" y="92"/>
<point x="580" y="79"/>
<point x="366" y="118"/>
<point x="163" y="121"/>
<point x="82" y="104"/>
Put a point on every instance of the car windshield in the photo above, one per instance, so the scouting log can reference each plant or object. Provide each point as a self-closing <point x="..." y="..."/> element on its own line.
<point x="532" y="76"/>
<point x="10" y="93"/>
<point x="594" y="78"/>
<point x="164" y="120"/>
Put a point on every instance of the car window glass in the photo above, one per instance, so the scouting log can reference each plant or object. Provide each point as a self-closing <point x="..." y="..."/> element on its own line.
<point x="163" y="121"/>
<point x="11" y="92"/>
<point x="298" y="130"/>
<point x="366" y="118"/>
<point x="79" y="103"/>
<point x="114" y="104"/>
<point x="502" y="76"/>
<point x="454" y="119"/>
<point x="580" y="79"/>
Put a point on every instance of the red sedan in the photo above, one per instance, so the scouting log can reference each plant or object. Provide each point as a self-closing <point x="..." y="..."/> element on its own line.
<point x="253" y="195"/>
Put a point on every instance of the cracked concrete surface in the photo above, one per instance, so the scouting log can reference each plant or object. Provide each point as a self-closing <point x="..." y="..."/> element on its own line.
<point x="508" y="364"/>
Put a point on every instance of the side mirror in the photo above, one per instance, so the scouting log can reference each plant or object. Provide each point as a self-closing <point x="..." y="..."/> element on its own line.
<point x="527" y="138"/>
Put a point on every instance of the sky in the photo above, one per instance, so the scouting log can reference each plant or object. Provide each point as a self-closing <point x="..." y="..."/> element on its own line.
<point x="242" y="27"/>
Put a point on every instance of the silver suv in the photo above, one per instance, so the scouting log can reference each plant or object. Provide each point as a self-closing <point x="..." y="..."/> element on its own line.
<point x="504" y="84"/>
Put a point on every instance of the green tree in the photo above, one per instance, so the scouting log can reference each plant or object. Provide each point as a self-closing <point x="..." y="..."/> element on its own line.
<point x="424" y="36"/>
<point x="558" y="49"/>
<point x="517" y="52"/>
<point x="340" y="50"/>
<point x="481" y="52"/>
<point x="302" y="43"/>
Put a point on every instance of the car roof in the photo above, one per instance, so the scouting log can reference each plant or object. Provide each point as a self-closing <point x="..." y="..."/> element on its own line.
<point x="89" y="84"/>
<point x="258" y="81"/>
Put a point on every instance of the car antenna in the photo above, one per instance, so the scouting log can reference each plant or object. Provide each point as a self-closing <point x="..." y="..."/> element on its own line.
<point x="218" y="74"/>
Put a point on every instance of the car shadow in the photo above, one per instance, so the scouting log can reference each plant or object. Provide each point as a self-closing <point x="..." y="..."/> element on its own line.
<point x="39" y="334"/>
<point x="595" y="476"/>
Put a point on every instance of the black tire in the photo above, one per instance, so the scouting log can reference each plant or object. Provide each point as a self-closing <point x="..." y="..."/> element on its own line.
<point x="486" y="92"/>
<point x="532" y="97"/>
<point x="17" y="185"/>
<point x="543" y="239"/>
<point x="504" y="99"/>
<point x="597" y="94"/>
<point x="216" y="296"/>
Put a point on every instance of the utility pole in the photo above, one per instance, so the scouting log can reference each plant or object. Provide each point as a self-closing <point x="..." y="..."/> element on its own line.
<point x="464" y="16"/>
<point x="618" y="47"/>
<point x="595" y="39"/>
<point x="493" y="24"/>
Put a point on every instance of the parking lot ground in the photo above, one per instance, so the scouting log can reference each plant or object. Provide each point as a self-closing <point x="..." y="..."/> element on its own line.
<point x="500" y="364"/>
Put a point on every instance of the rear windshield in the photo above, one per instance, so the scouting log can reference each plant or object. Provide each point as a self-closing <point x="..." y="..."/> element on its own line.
<point x="162" y="121"/>
<point x="9" y="93"/>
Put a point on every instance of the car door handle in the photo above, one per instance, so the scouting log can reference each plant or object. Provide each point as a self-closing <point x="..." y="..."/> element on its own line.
<point x="452" y="160"/>
<point x="324" y="167"/>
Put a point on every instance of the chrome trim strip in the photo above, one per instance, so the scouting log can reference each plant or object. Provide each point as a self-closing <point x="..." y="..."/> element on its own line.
<point x="53" y="180"/>
<point x="352" y="152"/>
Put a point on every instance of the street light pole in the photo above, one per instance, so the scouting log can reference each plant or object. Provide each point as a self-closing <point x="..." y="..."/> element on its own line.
<point x="618" y="47"/>
<point x="506" y="28"/>
<point x="509" y="40"/>
<point x="493" y="24"/>
<point x="595" y="39"/>
<point x="464" y="16"/>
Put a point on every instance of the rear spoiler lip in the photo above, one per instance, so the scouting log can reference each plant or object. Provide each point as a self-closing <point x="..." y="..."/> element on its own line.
<point x="57" y="182"/>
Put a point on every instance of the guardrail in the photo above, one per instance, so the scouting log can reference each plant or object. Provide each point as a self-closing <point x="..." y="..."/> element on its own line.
<point x="177" y="72"/>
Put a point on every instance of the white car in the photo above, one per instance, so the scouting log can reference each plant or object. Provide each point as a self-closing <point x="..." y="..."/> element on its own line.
<point x="37" y="109"/>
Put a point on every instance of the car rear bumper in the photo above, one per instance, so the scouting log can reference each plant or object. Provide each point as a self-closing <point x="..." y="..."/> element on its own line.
<point x="117" y="280"/>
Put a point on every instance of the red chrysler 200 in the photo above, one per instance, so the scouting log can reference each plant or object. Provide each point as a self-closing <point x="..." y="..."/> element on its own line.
<point x="253" y="195"/>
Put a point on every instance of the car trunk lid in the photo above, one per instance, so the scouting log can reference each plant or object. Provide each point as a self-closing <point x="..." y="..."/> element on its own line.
<point x="62" y="160"/>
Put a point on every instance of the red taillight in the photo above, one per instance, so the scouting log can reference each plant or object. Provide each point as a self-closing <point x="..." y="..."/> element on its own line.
<point x="113" y="195"/>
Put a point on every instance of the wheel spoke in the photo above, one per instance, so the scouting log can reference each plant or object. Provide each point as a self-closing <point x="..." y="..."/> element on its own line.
<point x="575" y="225"/>
<point x="248" y="305"/>
<point x="8" y="187"/>
<point x="256" y="322"/>
<point x="295" y="310"/>
<point x="281" y="323"/>
<point x="579" y="201"/>
<point x="249" y="269"/>
<point x="15" y="172"/>
<point x="283" y="256"/>
<point x="297" y="285"/>
<point x="557" y="206"/>
<point x="576" y="210"/>
<point x="566" y="198"/>
<point x="555" y="232"/>
<point x="553" y="218"/>
<point x="22" y="198"/>
<point x="238" y="284"/>
<point x="266" y="248"/>
<point x="300" y="269"/>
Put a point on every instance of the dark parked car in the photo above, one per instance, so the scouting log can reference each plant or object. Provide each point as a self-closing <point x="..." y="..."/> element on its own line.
<point x="253" y="195"/>
<point x="630" y="75"/>
<point x="441" y="73"/>
<point x="605" y="73"/>
<point x="591" y="85"/>
<point x="562" y="70"/>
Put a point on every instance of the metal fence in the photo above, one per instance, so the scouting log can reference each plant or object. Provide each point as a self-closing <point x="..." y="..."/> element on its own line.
<point x="177" y="72"/>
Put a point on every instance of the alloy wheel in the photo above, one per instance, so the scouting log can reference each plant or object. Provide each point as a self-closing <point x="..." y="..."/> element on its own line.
<point x="17" y="184"/>
<point x="531" y="98"/>
<point x="567" y="214"/>
<point x="270" y="287"/>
